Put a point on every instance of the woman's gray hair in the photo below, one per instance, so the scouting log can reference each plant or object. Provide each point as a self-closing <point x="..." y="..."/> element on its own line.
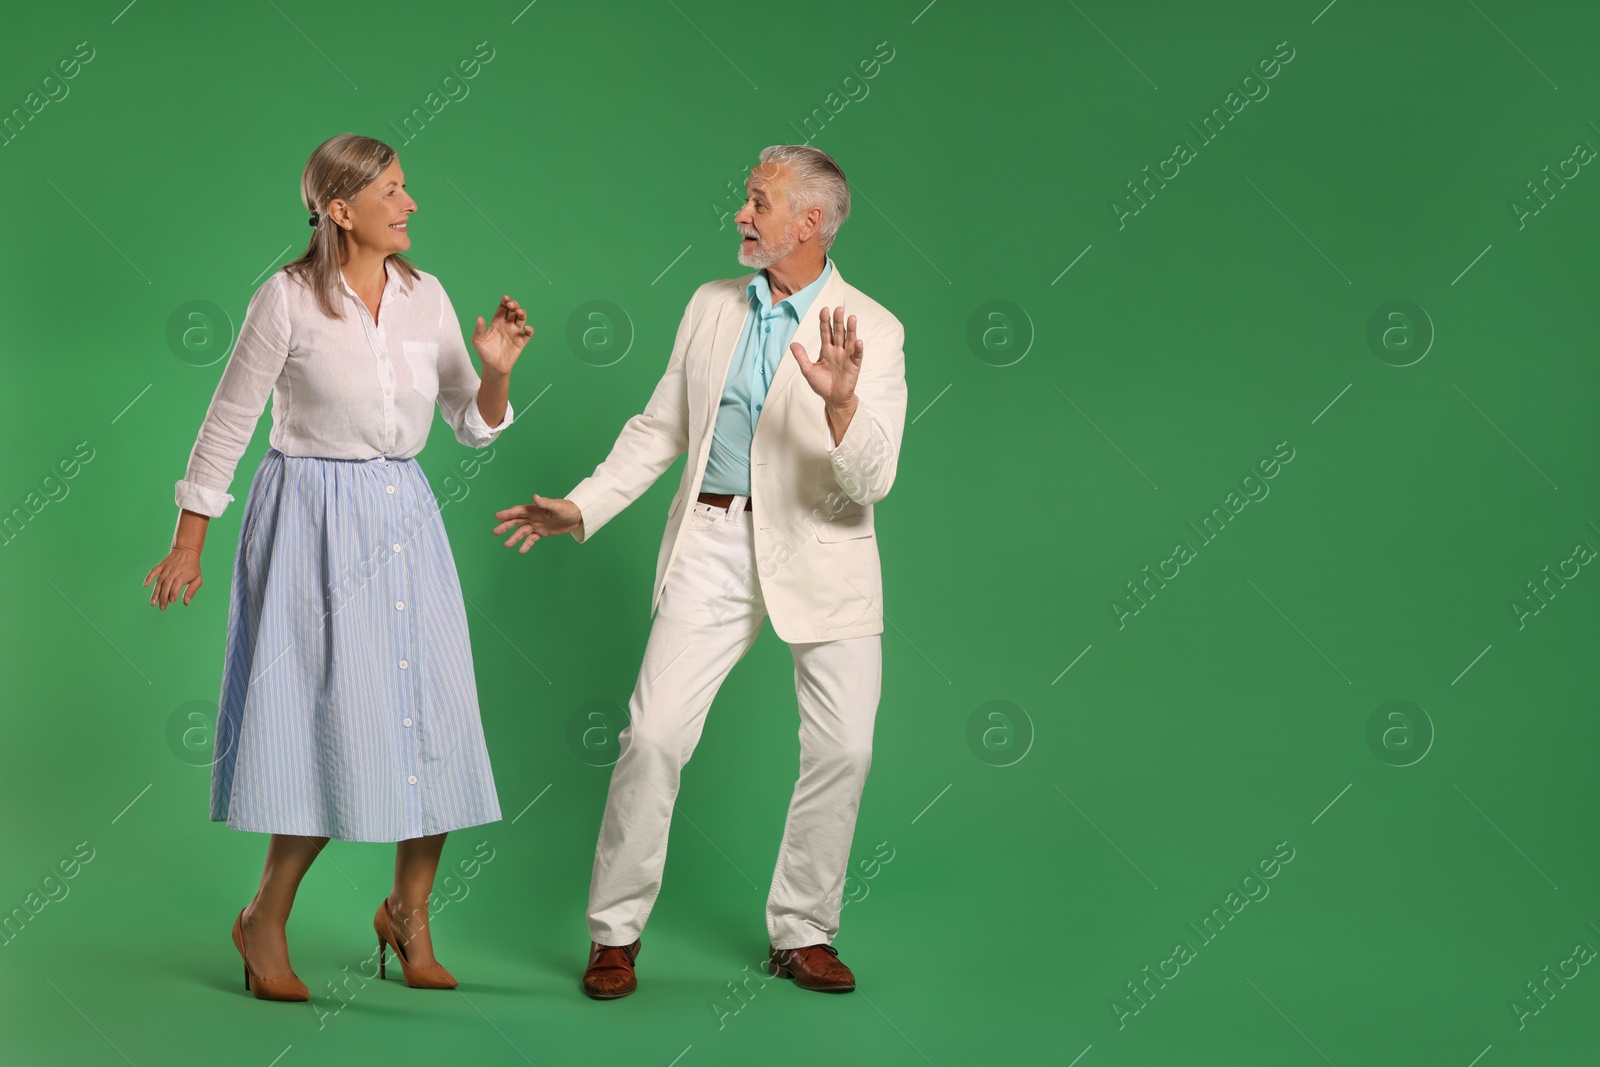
<point x="814" y="180"/>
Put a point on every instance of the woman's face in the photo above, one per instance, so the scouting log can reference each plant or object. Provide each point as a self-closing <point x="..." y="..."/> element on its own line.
<point x="379" y="213"/>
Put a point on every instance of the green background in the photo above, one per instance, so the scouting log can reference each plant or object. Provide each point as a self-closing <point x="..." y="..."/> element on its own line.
<point x="1139" y="770"/>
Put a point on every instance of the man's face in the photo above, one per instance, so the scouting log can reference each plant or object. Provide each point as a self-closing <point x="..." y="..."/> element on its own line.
<point x="766" y="226"/>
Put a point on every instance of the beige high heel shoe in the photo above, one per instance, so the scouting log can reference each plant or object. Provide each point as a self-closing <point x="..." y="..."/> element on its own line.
<point x="432" y="977"/>
<point x="290" y="988"/>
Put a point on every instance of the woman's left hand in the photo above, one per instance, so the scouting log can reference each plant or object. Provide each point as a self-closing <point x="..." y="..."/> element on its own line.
<point x="500" y="342"/>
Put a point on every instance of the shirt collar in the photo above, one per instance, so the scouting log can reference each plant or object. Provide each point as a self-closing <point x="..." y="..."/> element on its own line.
<point x="393" y="274"/>
<point x="760" y="290"/>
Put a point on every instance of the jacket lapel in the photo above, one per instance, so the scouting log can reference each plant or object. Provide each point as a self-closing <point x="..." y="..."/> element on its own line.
<point x="724" y="339"/>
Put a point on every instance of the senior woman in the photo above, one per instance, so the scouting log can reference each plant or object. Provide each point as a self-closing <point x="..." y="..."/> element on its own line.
<point x="348" y="707"/>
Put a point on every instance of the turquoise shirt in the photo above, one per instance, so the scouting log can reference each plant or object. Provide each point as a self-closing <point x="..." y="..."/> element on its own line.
<point x="762" y="346"/>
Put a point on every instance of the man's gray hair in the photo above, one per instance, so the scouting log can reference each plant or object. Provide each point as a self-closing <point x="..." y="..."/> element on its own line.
<point x="814" y="180"/>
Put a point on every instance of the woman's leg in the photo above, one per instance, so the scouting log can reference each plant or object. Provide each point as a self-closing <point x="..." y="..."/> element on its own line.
<point x="289" y="856"/>
<point x="416" y="861"/>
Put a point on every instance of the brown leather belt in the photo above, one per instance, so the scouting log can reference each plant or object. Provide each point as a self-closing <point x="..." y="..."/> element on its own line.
<point x="722" y="500"/>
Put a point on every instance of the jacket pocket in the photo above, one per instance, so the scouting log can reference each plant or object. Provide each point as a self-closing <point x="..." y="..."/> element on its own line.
<point x="423" y="359"/>
<point x="846" y="526"/>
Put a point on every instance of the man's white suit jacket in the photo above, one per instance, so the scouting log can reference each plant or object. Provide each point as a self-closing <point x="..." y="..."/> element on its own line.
<point x="815" y="549"/>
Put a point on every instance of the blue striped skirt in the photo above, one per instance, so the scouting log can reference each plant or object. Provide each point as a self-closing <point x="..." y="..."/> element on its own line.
<point x="348" y="706"/>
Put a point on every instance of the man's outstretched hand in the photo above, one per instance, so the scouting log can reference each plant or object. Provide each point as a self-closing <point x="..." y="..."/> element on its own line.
<point x="542" y="518"/>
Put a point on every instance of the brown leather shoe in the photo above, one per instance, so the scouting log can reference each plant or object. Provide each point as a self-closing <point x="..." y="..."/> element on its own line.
<point x="816" y="967"/>
<point x="610" y="974"/>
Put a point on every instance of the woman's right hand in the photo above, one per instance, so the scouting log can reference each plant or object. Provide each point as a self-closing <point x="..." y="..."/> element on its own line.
<point x="181" y="568"/>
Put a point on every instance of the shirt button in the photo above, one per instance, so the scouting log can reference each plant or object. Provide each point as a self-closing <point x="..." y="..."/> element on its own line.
<point x="407" y="720"/>
<point x="404" y="664"/>
<point x="386" y="392"/>
<point x="389" y="489"/>
<point x="412" y="779"/>
<point x="397" y="548"/>
<point x="399" y="605"/>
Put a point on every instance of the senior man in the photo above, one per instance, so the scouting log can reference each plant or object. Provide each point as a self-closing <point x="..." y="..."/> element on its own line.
<point x="780" y="485"/>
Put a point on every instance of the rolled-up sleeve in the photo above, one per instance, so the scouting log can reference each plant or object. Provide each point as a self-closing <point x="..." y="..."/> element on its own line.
<point x="241" y="395"/>
<point x="475" y="431"/>
<point x="459" y="384"/>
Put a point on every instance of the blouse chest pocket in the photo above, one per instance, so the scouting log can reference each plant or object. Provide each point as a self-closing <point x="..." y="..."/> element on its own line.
<point x="422" y="357"/>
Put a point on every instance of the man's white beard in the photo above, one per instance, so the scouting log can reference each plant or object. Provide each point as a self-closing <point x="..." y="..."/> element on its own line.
<point x="766" y="255"/>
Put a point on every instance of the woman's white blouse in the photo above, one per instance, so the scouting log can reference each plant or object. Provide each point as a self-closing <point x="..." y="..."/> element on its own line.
<point x="345" y="388"/>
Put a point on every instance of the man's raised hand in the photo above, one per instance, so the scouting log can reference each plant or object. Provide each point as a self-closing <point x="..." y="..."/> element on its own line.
<point x="833" y="376"/>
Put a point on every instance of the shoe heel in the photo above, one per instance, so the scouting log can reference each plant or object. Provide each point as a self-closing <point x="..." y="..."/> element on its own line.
<point x="381" y="954"/>
<point x="247" y="977"/>
<point x="777" y="970"/>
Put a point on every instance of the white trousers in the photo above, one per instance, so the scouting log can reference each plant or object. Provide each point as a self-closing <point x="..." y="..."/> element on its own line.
<point x="710" y="614"/>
